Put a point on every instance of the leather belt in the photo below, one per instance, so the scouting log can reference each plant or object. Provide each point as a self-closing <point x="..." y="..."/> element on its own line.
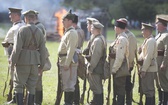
<point x="61" y="55"/>
<point x="160" y="53"/>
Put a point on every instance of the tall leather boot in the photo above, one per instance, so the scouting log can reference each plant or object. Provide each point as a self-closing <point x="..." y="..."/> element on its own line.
<point x="128" y="98"/>
<point x="120" y="100"/>
<point x="68" y="98"/>
<point x="76" y="93"/>
<point x="38" y="97"/>
<point x="19" y="98"/>
<point x="99" y="99"/>
<point x="160" y="93"/>
<point x="165" y="100"/>
<point x="30" y="99"/>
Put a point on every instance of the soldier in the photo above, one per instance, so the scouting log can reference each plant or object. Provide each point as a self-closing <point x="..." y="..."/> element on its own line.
<point x="162" y="43"/>
<point x="94" y="66"/>
<point x="28" y="58"/>
<point x="68" y="58"/>
<point x="119" y="55"/>
<point x="132" y="52"/>
<point x="15" y="16"/>
<point x="81" y="39"/>
<point x="39" y="87"/>
<point x="147" y="61"/>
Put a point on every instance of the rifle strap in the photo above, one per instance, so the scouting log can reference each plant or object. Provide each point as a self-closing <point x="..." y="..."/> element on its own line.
<point x="6" y="83"/>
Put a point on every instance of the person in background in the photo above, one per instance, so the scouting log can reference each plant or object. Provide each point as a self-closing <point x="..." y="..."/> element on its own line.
<point x="148" y="67"/>
<point x="81" y="39"/>
<point x="28" y="58"/>
<point x="10" y="40"/>
<point x="132" y="53"/>
<point x="162" y="43"/>
<point x="68" y="61"/>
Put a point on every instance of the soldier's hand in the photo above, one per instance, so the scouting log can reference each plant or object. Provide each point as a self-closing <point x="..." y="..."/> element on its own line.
<point x="66" y="67"/>
<point x="142" y="74"/>
<point x="162" y="67"/>
<point x="40" y="71"/>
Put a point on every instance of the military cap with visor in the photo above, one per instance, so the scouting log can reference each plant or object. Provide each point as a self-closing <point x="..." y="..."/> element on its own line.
<point x="162" y="20"/>
<point x="121" y="24"/>
<point x="14" y="10"/>
<point x="29" y="12"/>
<point x="147" y="26"/>
<point x="98" y="25"/>
<point x="90" y="19"/>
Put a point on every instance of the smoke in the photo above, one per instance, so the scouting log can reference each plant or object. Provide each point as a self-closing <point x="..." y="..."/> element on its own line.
<point x="46" y="8"/>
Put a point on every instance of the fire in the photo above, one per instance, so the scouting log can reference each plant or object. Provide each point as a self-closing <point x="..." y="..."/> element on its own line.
<point x="59" y="23"/>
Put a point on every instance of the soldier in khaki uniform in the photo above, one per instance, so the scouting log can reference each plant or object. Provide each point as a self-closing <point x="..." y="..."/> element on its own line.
<point x="119" y="52"/>
<point x="10" y="38"/>
<point x="132" y="52"/>
<point x="148" y="67"/>
<point x="39" y="87"/>
<point x="27" y="58"/>
<point x="162" y="43"/>
<point x="81" y="39"/>
<point x="94" y="70"/>
<point x="67" y="58"/>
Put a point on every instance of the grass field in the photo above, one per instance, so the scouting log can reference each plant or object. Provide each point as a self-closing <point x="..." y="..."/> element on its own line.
<point x="50" y="77"/>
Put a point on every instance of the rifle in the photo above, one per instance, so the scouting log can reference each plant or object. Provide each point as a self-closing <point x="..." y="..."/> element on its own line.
<point x="114" y="94"/>
<point x="9" y="95"/>
<point x="109" y="91"/>
<point x="59" y="86"/>
<point x="83" y="94"/>
<point x="140" y="89"/>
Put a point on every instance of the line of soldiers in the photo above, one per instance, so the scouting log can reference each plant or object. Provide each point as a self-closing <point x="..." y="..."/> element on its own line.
<point x="28" y="57"/>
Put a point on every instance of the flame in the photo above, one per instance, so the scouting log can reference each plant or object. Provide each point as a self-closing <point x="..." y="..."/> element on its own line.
<point x="59" y="23"/>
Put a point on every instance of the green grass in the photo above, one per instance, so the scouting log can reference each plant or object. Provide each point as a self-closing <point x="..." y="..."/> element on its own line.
<point x="50" y="77"/>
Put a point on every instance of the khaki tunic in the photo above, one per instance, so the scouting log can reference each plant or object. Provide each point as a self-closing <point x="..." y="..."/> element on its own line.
<point x="148" y="55"/>
<point x="132" y="47"/>
<point x="162" y="43"/>
<point x="96" y="51"/>
<point x="68" y="46"/>
<point x="121" y="48"/>
<point x="11" y="36"/>
<point x="27" y="60"/>
<point x="81" y="37"/>
<point x="42" y="28"/>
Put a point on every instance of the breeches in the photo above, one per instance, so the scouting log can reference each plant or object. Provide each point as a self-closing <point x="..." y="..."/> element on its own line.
<point x="119" y="85"/>
<point x="147" y="84"/>
<point x="25" y="76"/>
<point x="95" y="82"/>
<point x="163" y="79"/>
<point x="69" y="78"/>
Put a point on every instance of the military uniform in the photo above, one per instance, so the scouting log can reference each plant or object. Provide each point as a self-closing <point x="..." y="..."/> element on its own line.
<point x="67" y="57"/>
<point x="120" y="48"/>
<point x="27" y="56"/>
<point x="132" y="52"/>
<point x="39" y="87"/>
<point x="162" y="43"/>
<point x="149" y="64"/>
<point x="94" y="67"/>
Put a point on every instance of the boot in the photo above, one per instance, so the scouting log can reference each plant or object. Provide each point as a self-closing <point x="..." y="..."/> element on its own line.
<point x="128" y="98"/>
<point x="99" y="99"/>
<point x="149" y="101"/>
<point x="38" y="97"/>
<point x="76" y="93"/>
<point x="165" y="100"/>
<point x="68" y="98"/>
<point x="160" y="93"/>
<point x="19" y="98"/>
<point x="120" y="100"/>
<point x="30" y="99"/>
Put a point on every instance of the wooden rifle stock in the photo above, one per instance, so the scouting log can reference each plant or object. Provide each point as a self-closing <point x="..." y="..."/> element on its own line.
<point x="59" y="86"/>
<point x="109" y="91"/>
<point x="83" y="94"/>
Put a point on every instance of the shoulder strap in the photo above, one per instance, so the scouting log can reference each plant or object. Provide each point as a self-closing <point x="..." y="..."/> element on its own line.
<point x="33" y="37"/>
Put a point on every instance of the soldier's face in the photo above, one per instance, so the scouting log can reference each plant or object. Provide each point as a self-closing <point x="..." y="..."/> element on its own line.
<point x="12" y="17"/>
<point x="159" y="26"/>
<point x="89" y="26"/>
<point x="66" y="23"/>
